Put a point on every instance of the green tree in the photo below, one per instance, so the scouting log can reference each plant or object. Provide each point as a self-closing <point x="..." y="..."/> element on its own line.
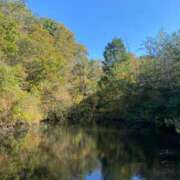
<point x="114" y="52"/>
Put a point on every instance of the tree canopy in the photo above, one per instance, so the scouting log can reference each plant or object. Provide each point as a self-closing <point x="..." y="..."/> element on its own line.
<point x="46" y="74"/>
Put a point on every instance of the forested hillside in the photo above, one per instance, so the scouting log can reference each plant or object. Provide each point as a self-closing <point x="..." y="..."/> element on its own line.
<point x="43" y="70"/>
<point x="137" y="90"/>
<point x="46" y="74"/>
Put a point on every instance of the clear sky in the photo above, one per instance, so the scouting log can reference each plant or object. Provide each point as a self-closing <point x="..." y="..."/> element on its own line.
<point x="96" y="22"/>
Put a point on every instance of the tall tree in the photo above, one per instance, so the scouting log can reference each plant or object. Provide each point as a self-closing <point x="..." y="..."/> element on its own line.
<point x="114" y="51"/>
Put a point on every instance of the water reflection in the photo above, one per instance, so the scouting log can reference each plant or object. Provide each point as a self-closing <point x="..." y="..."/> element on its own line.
<point x="75" y="154"/>
<point x="96" y="174"/>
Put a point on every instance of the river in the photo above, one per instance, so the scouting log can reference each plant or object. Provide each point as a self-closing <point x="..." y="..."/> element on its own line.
<point x="74" y="153"/>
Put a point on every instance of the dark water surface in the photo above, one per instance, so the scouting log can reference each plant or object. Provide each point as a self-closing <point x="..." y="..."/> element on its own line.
<point x="56" y="153"/>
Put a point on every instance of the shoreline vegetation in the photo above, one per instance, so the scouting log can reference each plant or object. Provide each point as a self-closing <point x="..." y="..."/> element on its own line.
<point x="45" y="74"/>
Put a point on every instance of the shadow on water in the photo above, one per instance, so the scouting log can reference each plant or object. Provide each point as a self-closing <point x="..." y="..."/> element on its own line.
<point x="98" y="154"/>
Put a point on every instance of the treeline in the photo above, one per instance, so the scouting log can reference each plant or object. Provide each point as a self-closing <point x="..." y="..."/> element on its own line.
<point x="137" y="90"/>
<point x="43" y="70"/>
<point x="46" y="74"/>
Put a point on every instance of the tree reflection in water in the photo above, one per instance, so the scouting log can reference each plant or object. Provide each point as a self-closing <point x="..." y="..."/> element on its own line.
<point x="76" y="153"/>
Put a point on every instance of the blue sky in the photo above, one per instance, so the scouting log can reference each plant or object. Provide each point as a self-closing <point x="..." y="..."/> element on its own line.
<point x="96" y="22"/>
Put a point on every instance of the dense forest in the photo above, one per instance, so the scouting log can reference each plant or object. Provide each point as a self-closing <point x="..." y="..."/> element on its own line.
<point x="43" y="70"/>
<point x="45" y="74"/>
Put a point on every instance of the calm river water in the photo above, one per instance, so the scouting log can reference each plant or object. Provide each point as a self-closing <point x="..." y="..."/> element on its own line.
<point x="59" y="153"/>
